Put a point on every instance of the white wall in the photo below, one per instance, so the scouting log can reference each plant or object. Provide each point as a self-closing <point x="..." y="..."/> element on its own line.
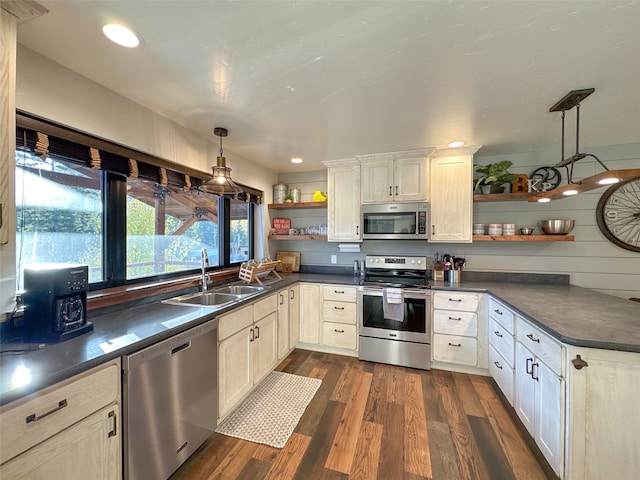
<point x="591" y="260"/>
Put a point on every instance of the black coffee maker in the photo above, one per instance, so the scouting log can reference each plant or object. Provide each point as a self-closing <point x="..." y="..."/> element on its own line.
<point x="55" y="301"/>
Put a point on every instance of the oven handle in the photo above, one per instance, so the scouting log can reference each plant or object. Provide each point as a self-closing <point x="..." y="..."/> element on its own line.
<point x="407" y="292"/>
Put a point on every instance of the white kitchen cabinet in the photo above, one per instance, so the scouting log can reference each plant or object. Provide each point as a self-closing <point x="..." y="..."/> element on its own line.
<point x="502" y="347"/>
<point x="43" y="432"/>
<point x="343" y="202"/>
<point x="395" y="176"/>
<point x="340" y="317"/>
<point x="310" y="306"/>
<point x="540" y="390"/>
<point x="247" y="350"/>
<point x="283" y="323"/>
<point x="451" y="195"/>
<point x="294" y="316"/>
<point x="602" y="420"/>
<point x="459" y="329"/>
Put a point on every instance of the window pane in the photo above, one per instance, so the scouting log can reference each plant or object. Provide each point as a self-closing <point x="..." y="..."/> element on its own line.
<point x="59" y="214"/>
<point x="239" y="240"/>
<point x="167" y="228"/>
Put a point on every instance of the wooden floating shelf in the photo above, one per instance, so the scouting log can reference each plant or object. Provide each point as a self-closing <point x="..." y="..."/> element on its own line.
<point x="503" y="197"/>
<point x="297" y="237"/>
<point x="282" y="206"/>
<point x="523" y="238"/>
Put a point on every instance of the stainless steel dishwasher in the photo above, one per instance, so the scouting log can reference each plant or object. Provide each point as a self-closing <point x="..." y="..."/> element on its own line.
<point x="170" y="402"/>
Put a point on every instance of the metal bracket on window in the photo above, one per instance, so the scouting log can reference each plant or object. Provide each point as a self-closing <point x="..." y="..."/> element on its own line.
<point x="200" y="212"/>
<point x="161" y="192"/>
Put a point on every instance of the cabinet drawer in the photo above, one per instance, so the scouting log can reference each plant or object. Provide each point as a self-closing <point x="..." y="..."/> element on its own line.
<point x="31" y="420"/>
<point x="502" y="314"/>
<point x="455" y="323"/>
<point x="467" y="302"/>
<point x="540" y="344"/>
<point x="455" y="349"/>
<point x="233" y="322"/>
<point x="341" y="312"/>
<point x="339" y="293"/>
<point x="264" y="307"/>
<point x="339" y="335"/>
<point x="502" y="341"/>
<point x="502" y="373"/>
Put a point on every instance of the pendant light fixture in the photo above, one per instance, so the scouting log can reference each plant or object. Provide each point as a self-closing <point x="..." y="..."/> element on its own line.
<point x="221" y="183"/>
<point x="608" y="177"/>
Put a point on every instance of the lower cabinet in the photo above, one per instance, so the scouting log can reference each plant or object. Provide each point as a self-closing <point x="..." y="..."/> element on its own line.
<point x="69" y="430"/>
<point x="340" y="316"/>
<point x="540" y="391"/>
<point x="247" y="350"/>
<point x="294" y="316"/>
<point x="502" y="347"/>
<point x="288" y="320"/>
<point x="310" y="313"/>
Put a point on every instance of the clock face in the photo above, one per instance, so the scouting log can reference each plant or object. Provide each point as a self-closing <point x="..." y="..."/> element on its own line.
<point x="618" y="214"/>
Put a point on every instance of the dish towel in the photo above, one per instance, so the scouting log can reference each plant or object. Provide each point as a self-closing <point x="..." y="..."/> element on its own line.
<point x="393" y="304"/>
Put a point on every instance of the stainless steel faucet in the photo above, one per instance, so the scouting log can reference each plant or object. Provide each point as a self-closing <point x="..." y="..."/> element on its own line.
<point x="204" y="264"/>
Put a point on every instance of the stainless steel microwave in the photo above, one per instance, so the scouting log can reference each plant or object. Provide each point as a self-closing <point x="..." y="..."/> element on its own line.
<point x="395" y="221"/>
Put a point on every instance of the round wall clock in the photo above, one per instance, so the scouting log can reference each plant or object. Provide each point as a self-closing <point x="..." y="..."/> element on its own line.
<point x="618" y="214"/>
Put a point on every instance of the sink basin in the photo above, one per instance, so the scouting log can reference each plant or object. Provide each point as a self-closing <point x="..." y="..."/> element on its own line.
<point x="242" y="290"/>
<point x="205" y="299"/>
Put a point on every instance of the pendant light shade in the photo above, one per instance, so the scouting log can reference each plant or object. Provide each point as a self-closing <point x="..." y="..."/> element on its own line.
<point x="221" y="183"/>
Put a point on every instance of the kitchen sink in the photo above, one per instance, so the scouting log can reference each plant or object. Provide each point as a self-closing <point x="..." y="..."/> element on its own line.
<point x="242" y="290"/>
<point x="205" y="299"/>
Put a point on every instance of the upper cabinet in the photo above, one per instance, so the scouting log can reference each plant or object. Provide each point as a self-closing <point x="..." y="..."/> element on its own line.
<point x="343" y="202"/>
<point x="395" y="177"/>
<point x="451" y="195"/>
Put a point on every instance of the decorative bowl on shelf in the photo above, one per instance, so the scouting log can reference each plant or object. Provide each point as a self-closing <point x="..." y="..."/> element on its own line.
<point x="556" y="227"/>
<point x="526" y="231"/>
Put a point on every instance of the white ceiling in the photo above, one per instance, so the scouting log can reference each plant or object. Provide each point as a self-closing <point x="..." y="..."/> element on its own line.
<point x="326" y="80"/>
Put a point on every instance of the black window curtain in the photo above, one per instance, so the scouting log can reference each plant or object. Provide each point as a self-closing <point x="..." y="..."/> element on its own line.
<point x="43" y="138"/>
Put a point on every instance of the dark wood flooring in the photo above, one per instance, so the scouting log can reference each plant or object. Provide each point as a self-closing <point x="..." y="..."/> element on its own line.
<point x="376" y="421"/>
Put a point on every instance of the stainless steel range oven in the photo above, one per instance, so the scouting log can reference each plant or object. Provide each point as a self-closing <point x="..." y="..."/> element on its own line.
<point x="395" y="304"/>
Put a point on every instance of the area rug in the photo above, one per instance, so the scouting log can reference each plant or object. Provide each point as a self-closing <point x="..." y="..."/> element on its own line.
<point x="272" y="410"/>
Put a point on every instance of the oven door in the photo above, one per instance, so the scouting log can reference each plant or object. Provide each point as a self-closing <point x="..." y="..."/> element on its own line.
<point x="416" y="326"/>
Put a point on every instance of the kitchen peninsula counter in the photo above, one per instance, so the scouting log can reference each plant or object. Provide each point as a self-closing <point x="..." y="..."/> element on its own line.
<point x="573" y="315"/>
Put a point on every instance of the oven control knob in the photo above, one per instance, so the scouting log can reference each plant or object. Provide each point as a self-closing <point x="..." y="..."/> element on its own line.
<point x="413" y="261"/>
<point x="419" y="262"/>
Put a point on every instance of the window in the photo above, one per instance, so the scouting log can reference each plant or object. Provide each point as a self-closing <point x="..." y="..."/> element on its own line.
<point x="127" y="219"/>
<point x="58" y="214"/>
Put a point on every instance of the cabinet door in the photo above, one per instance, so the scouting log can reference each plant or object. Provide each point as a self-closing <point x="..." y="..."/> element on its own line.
<point x="549" y="414"/>
<point x="310" y="313"/>
<point x="602" y="414"/>
<point x="88" y="449"/>
<point x="451" y="199"/>
<point x="294" y="316"/>
<point x="343" y="204"/>
<point x="410" y="179"/>
<point x="283" y="323"/>
<point x="377" y="181"/>
<point x="265" y="346"/>
<point x="235" y="369"/>
<point x="525" y="387"/>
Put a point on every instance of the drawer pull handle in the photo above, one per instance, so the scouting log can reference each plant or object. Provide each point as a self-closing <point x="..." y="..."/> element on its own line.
<point x="498" y="334"/>
<point x="338" y="308"/>
<point x="527" y="368"/>
<point x="257" y="332"/>
<point x="338" y="291"/>
<point x="34" y="418"/>
<point x="533" y="375"/>
<point x="532" y="338"/>
<point x="393" y="335"/>
<point x="252" y="336"/>
<point x="498" y="311"/>
<point x="455" y="344"/>
<point x="338" y="331"/>
<point x="293" y="295"/>
<point x="113" y="432"/>
<point x="454" y="318"/>
<point x="281" y="299"/>
<point x="455" y="299"/>
<point x="390" y="190"/>
<point x="497" y="364"/>
<point x="579" y="363"/>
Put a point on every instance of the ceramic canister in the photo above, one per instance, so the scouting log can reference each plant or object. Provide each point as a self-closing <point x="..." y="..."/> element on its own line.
<point x="508" y="228"/>
<point x="279" y="191"/>
<point x="495" y="229"/>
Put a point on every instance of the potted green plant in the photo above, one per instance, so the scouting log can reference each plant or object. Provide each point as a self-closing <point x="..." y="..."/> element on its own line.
<point x="494" y="176"/>
<point x="288" y="198"/>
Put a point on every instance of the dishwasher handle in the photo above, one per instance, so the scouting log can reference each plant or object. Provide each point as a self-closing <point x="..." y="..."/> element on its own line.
<point x="180" y="348"/>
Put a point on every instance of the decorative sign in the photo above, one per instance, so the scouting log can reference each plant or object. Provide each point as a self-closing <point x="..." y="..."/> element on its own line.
<point x="282" y="225"/>
<point x="544" y="179"/>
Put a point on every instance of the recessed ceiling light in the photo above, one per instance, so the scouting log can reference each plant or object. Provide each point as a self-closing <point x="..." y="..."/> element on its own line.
<point x="456" y="144"/>
<point x="296" y="160"/>
<point x="121" y="35"/>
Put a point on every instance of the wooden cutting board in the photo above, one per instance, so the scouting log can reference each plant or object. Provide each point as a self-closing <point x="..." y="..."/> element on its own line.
<point x="290" y="261"/>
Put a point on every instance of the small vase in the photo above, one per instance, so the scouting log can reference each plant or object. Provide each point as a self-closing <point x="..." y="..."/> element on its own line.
<point x="497" y="189"/>
<point x="485" y="189"/>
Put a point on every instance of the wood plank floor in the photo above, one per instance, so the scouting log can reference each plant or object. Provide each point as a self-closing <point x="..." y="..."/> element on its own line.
<point x="376" y="421"/>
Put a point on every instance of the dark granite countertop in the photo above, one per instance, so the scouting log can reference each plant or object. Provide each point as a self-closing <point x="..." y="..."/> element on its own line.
<point x="574" y="315"/>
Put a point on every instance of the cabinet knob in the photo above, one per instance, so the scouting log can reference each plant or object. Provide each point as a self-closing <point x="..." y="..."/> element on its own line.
<point x="579" y="363"/>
